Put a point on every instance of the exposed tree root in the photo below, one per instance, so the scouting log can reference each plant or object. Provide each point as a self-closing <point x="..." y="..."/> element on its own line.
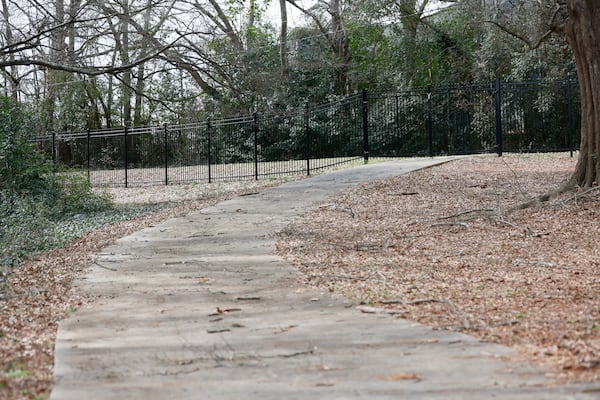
<point x="567" y="186"/>
<point x="474" y="211"/>
<point x="580" y="195"/>
<point x="496" y="215"/>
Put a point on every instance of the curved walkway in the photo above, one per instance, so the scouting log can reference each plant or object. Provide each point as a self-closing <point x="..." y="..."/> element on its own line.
<point x="199" y="307"/>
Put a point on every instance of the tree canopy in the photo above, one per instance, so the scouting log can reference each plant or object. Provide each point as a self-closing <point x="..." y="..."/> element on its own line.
<point x="131" y="62"/>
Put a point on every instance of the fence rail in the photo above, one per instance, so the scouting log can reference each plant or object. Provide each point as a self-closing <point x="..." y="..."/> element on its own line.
<point x="460" y="119"/>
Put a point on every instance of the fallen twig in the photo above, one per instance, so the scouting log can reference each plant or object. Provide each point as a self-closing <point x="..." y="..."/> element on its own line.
<point x="460" y="214"/>
<point x="461" y="224"/>
<point x="391" y="302"/>
<point x="505" y="222"/>
<point x="423" y="301"/>
<point x="248" y="298"/>
<point x="213" y="331"/>
<point x="105" y="267"/>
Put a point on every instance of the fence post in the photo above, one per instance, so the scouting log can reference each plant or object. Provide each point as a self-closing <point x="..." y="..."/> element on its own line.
<point x="308" y="140"/>
<point x="570" y="116"/>
<point x="448" y="135"/>
<point x="397" y="123"/>
<point x="166" y="150"/>
<point x="498" y="106"/>
<point x="365" y="124"/>
<point x="208" y="129"/>
<point x="53" y="151"/>
<point x="430" y="119"/>
<point x="255" y="129"/>
<point x="126" y="159"/>
<point x="88" y="155"/>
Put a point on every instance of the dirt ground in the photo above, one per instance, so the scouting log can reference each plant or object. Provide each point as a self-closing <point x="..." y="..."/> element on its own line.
<point x="441" y="246"/>
<point x="437" y="244"/>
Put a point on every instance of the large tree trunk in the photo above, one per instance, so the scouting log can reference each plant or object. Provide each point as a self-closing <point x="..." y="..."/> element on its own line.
<point x="583" y="34"/>
<point x="338" y="39"/>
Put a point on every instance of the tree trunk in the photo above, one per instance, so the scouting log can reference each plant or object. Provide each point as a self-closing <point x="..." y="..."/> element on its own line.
<point x="337" y="37"/>
<point x="140" y="83"/>
<point x="341" y="46"/>
<point x="11" y="76"/>
<point x="127" y="89"/>
<point x="91" y="91"/>
<point x="283" y="41"/>
<point x="411" y="13"/>
<point x="56" y="53"/>
<point x="72" y="32"/>
<point x="583" y="34"/>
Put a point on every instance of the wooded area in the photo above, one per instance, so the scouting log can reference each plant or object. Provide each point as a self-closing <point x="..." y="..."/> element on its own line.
<point x="76" y="65"/>
<point x="80" y="64"/>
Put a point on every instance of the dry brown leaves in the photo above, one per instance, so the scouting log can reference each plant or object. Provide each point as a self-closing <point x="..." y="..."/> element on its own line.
<point x="39" y="293"/>
<point x="529" y="279"/>
<point x="438" y="245"/>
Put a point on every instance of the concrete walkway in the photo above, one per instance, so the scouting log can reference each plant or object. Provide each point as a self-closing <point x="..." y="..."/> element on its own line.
<point x="199" y="307"/>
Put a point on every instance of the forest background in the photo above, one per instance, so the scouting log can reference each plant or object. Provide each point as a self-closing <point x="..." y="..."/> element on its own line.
<point x="76" y="65"/>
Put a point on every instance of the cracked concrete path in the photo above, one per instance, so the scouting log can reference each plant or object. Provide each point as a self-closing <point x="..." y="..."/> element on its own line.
<point x="200" y="307"/>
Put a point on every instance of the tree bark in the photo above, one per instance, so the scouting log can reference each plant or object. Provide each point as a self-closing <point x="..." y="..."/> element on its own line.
<point x="126" y="86"/>
<point x="72" y="31"/>
<point x="583" y="34"/>
<point x="56" y="53"/>
<point x="283" y="41"/>
<point x="340" y="45"/>
<point x="10" y="76"/>
<point x="140" y="83"/>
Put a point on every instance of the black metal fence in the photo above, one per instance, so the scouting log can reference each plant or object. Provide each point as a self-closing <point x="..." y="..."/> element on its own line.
<point x="466" y="119"/>
<point x="462" y="119"/>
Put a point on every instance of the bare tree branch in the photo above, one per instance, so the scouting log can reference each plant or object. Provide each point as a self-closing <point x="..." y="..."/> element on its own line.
<point x="90" y="71"/>
<point x="554" y="27"/>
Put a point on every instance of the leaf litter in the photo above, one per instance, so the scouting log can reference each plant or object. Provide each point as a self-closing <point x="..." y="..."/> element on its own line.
<point x="439" y="247"/>
<point x="433" y="246"/>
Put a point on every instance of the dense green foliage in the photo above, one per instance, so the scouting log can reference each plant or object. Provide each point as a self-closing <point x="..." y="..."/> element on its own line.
<point x="35" y="201"/>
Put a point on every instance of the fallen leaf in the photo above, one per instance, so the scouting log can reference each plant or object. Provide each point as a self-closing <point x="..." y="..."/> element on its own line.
<point x="400" y="377"/>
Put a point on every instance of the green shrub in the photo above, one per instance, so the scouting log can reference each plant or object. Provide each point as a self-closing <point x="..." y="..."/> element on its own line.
<point x="35" y="199"/>
<point x="76" y="195"/>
